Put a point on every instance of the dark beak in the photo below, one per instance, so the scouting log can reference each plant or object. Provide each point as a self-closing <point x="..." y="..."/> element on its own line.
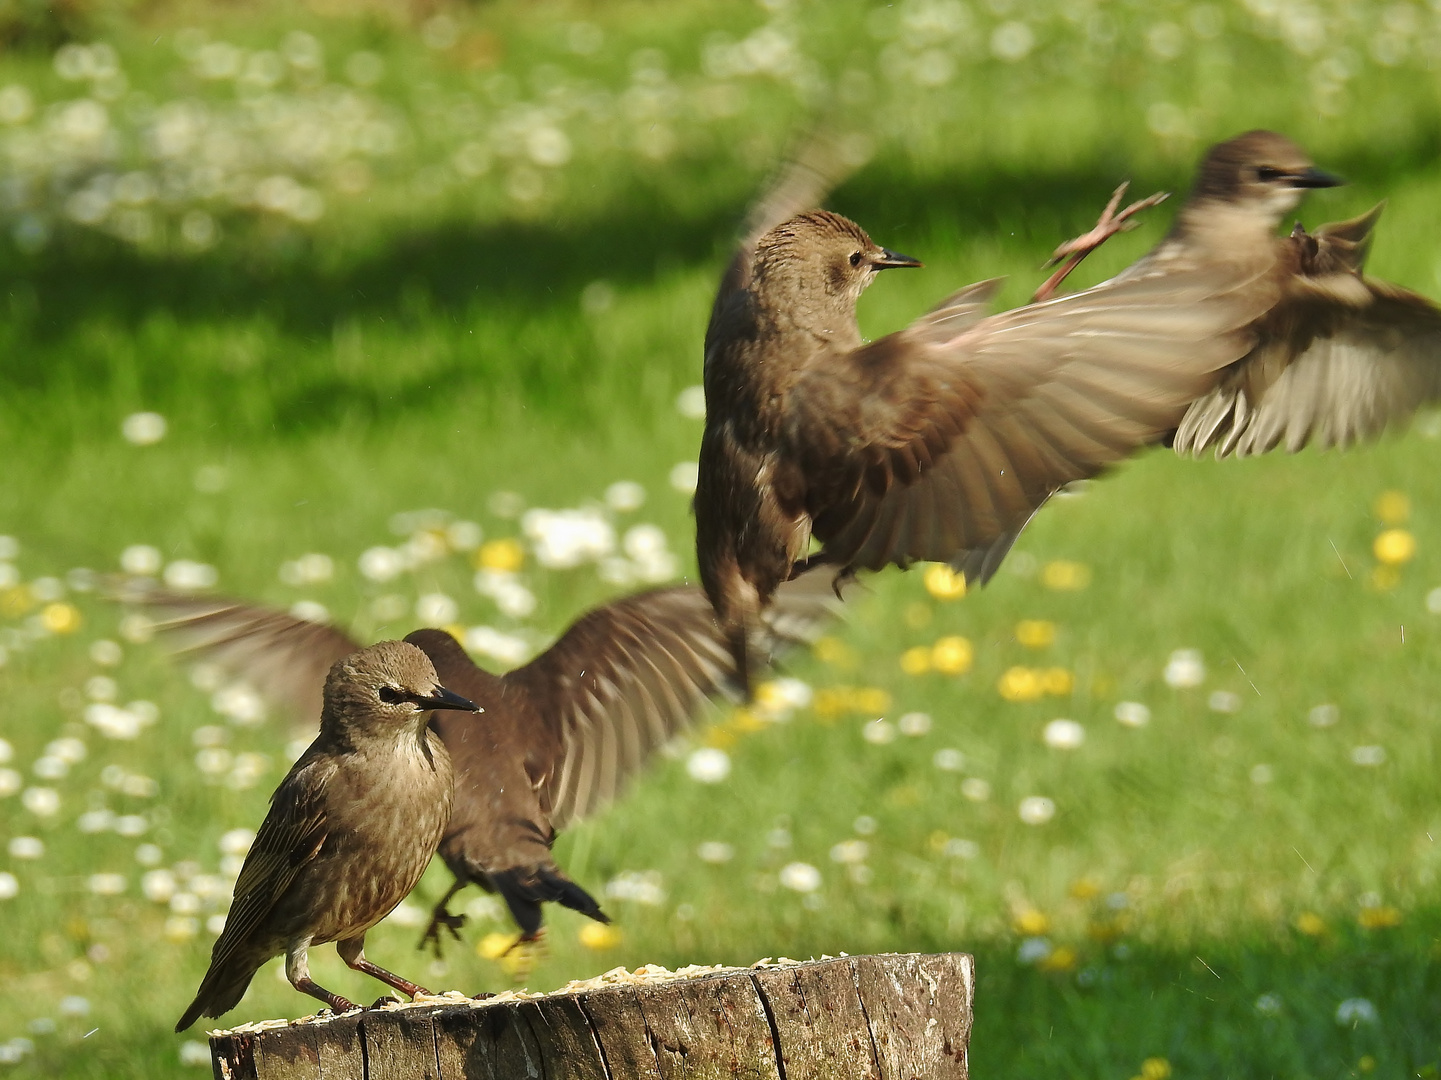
<point x="1315" y="178"/>
<point x="447" y="699"/>
<point x="890" y="260"/>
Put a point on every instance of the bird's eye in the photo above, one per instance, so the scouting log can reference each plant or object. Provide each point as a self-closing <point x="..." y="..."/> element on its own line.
<point x="1266" y="173"/>
<point x="391" y="696"/>
<point x="856" y="258"/>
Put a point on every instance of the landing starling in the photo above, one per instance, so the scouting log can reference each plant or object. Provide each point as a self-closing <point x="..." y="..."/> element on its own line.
<point x="1339" y="355"/>
<point x="937" y="442"/>
<point x="562" y="735"/>
<point x="350" y="830"/>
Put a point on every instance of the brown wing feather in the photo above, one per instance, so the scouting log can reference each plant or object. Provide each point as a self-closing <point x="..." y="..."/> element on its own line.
<point x="942" y="450"/>
<point x="283" y="657"/>
<point x="1341" y="357"/>
<point x="290" y="837"/>
<point x="630" y="676"/>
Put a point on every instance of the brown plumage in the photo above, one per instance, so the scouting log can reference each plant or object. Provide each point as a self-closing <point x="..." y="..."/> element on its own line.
<point x="937" y="442"/>
<point x="350" y="830"/>
<point x="1340" y="356"/>
<point x="562" y="735"/>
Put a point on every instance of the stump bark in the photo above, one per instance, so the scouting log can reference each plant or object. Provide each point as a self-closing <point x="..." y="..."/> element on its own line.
<point x="889" y="1017"/>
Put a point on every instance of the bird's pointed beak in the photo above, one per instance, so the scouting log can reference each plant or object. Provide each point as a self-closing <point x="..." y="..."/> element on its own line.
<point x="448" y="699"/>
<point x="1315" y="178"/>
<point x="891" y="260"/>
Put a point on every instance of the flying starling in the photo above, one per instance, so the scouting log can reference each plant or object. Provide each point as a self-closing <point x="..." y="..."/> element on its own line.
<point x="350" y="830"/>
<point x="937" y="442"/>
<point x="562" y="735"/>
<point x="1339" y="356"/>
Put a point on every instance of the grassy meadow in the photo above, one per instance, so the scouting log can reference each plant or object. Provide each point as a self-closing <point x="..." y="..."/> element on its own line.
<point x="320" y="303"/>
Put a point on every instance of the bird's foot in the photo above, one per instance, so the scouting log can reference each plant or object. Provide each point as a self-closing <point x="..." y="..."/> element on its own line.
<point x="1110" y="223"/>
<point x="384" y="1000"/>
<point x="438" y="918"/>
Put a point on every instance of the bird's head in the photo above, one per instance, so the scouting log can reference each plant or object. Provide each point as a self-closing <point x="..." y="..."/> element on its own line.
<point x="820" y="261"/>
<point x="1260" y="170"/>
<point x="387" y="689"/>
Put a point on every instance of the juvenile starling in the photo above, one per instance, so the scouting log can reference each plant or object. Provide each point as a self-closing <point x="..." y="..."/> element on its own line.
<point x="937" y="442"/>
<point x="562" y="734"/>
<point x="350" y="830"/>
<point x="1340" y="356"/>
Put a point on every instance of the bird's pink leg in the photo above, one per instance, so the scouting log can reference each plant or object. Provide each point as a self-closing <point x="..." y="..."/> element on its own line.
<point x="1110" y="223"/>
<point x="353" y="953"/>
<point x="297" y="970"/>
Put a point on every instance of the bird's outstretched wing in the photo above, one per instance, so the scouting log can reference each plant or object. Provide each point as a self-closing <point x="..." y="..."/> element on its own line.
<point x="630" y="676"/>
<point x="929" y="446"/>
<point x="283" y="657"/>
<point x="1341" y="357"/>
<point x="292" y="835"/>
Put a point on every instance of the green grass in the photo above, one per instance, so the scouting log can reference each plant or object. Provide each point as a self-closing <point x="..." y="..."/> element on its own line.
<point x="408" y="352"/>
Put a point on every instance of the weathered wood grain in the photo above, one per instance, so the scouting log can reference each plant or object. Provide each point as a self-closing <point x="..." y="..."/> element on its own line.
<point x="894" y="1017"/>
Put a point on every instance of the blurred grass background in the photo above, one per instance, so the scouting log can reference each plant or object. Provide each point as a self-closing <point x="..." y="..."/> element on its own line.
<point x="369" y="258"/>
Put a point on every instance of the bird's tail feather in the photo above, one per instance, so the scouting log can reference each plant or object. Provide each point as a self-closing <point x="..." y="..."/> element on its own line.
<point x="526" y="888"/>
<point x="220" y="990"/>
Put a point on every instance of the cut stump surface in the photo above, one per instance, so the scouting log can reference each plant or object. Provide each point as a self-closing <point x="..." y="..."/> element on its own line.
<point x="890" y="1017"/>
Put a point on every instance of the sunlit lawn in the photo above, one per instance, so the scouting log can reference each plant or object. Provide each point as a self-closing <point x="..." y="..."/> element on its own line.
<point x="1223" y="866"/>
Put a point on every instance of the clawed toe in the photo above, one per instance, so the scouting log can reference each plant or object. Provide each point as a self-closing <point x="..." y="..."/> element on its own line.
<point x="384" y="1000"/>
<point x="1109" y="224"/>
<point x="440" y="918"/>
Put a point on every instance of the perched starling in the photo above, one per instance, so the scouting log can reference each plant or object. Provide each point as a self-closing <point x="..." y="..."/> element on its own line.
<point x="937" y="442"/>
<point x="350" y="830"/>
<point x="562" y="734"/>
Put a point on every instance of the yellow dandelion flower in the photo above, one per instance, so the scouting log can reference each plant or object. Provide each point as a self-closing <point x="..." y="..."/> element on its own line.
<point x="1310" y="924"/>
<point x="720" y="738"/>
<point x="1156" y="1068"/>
<point x="1394" y="547"/>
<point x="952" y="655"/>
<point x="1084" y="889"/>
<point x="944" y="583"/>
<point x="743" y="720"/>
<point x="1393" y="507"/>
<point x="1021" y="684"/>
<point x="916" y="661"/>
<point x="1065" y="575"/>
<point x="1035" y="633"/>
<point x="1031" y="922"/>
<point x="520" y="960"/>
<point x="60" y="618"/>
<point x="1385" y="578"/>
<point x="771" y="696"/>
<point x="1061" y="958"/>
<point x="1379" y="918"/>
<point x="495" y="945"/>
<point x="829" y="650"/>
<point x="598" y="936"/>
<point x="937" y="841"/>
<point x="1057" y="681"/>
<point x="871" y="699"/>
<point x="15" y="601"/>
<point x="505" y="556"/>
<point x="918" y="615"/>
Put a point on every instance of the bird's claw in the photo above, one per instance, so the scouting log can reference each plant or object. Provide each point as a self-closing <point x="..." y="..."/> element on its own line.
<point x="441" y="917"/>
<point x="384" y="1000"/>
<point x="1109" y="224"/>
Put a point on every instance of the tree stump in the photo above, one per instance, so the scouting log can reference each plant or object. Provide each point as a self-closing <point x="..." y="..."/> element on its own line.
<point x="890" y="1017"/>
